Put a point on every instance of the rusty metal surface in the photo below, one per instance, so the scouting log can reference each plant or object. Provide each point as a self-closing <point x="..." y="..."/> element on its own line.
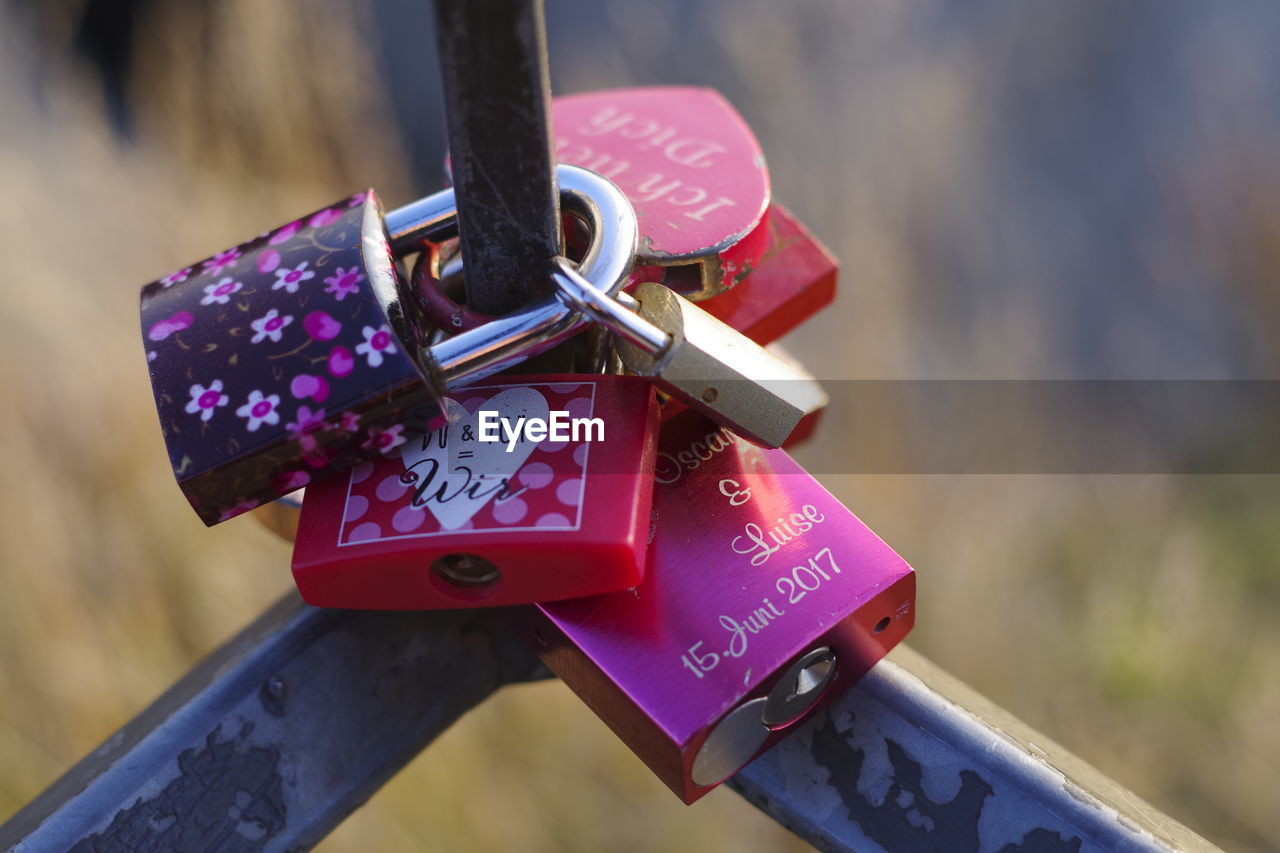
<point x="499" y="120"/>
<point x="277" y="736"/>
<point x="911" y="759"/>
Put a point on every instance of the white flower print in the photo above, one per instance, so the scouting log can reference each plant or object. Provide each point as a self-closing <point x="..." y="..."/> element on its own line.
<point x="220" y="292"/>
<point x="204" y="400"/>
<point x="376" y="342"/>
<point x="269" y="325"/>
<point x="289" y="279"/>
<point x="260" y="410"/>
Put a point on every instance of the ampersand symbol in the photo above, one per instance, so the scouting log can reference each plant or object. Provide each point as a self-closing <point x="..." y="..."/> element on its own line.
<point x="467" y="435"/>
<point x="734" y="491"/>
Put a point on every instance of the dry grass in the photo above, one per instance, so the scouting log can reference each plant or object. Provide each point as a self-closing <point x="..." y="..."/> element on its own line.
<point x="1130" y="617"/>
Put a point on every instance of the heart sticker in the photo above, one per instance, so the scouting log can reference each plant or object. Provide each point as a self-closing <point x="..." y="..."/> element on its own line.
<point x="459" y="475"/>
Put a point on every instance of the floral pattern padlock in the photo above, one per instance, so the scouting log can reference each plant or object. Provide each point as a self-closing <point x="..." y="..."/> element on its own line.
<point x="284" y="358"/>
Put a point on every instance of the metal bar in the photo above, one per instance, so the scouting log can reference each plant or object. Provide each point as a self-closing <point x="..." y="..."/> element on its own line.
<point x="277" y="736"/>
<point x="497" y="94"/>
<point x="912" y="759"/>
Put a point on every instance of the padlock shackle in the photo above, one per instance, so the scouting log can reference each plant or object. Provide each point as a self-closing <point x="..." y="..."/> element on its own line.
<point x="582" y="295"/>
<point x="476" y="353"/>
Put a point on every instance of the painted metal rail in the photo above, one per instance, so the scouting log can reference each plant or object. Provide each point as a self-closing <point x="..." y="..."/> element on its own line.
<point x="290" y="726"/>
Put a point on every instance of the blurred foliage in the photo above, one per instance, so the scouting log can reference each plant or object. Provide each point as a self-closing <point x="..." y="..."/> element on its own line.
<point x="1016" y="190"/>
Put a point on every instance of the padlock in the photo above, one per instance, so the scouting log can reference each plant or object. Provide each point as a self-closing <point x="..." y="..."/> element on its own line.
<point x="484" y="512"/>
<point x="691" y="167"/>
<point x="697" y="359"/>
<point x="794" y="279"/>
<point x="694" y="174"/>
<point x="792" y="600"/>
<point x="808" y="424"/>
<point x="298" y="353"/>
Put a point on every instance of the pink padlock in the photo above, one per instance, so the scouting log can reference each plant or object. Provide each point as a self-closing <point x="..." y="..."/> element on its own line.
<point x="691" y="167"/>
<point x="763" y="598"/>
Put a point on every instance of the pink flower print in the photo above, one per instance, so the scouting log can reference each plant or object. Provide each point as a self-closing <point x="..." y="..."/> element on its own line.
<point x="204" y="400"/>
<point x="169" y="325"/>
<point x="350" y="422"/>
<point x="321" y="327"/>
<point x="239" y="509"/>
<point x="385" y="440"/>
<point x="221" y="260"/>
<point x="260" y="410"/>
<point x="285" y="234"/>
<point x="269" y="325"/>
<point x="289" y="279"/>
<point x="341" y="362"/>
<point x="376" y="342"/>
<point x="344" y="282"/>
<point x="328" y="216"/>
<point x="220" y="292"/>
<point x="315" y="455"/>
<point x="268" y="260"/>
<point x="290" y="481"/>
<point x="305" y="385"/>
<point x="358" y="199"/>
<point x="175" y="277"/>
<point x="308" y="422"/>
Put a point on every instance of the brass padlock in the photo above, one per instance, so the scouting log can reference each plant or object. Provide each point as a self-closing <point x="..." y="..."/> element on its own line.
<point x="697" y="359"/>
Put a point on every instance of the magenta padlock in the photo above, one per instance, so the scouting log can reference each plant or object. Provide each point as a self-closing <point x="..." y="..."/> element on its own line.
<point x="763" y="598"/>
<point x="299" y="353"/>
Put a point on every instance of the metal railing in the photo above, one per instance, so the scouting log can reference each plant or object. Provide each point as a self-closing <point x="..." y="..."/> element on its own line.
<point x="273" y="739"/>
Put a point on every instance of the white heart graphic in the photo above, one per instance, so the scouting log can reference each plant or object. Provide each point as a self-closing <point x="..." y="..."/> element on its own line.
<point x="457" y="476"/>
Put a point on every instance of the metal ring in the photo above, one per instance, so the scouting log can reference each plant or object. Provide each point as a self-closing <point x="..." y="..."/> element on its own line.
<point x="427" y="283"/>
<point x="482" y="351"/>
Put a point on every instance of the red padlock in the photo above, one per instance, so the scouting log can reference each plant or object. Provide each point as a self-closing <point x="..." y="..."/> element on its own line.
<point x="459" y="520"/>
<point x="794" y="279"/>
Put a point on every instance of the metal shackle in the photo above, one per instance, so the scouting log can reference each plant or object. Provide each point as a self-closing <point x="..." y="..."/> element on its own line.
<point x="504" y="341"/>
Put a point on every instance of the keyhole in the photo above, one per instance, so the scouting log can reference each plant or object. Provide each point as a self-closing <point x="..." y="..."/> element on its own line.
<point x="811" y="677"/>
<point x="800" y="687"/>
<point x="466" y="570"/>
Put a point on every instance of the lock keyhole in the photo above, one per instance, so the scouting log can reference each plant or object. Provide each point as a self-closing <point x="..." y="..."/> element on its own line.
<point x="811" y="678"/>
<point x="799" y="688"/>
<point x="467" y="570"/>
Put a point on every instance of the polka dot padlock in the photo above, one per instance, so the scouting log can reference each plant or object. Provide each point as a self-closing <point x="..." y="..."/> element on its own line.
<point x="538" y="489"/>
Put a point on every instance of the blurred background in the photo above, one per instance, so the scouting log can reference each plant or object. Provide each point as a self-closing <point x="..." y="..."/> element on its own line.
<point x="1017" y="189"/>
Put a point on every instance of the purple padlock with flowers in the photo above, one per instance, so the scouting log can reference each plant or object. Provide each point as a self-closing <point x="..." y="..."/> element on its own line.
<point x="304" y="351"/>
<point x="284" y="357"/>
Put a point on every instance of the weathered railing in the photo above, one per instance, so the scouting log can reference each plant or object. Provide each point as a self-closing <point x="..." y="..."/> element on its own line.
<point x="282" y="732"/>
